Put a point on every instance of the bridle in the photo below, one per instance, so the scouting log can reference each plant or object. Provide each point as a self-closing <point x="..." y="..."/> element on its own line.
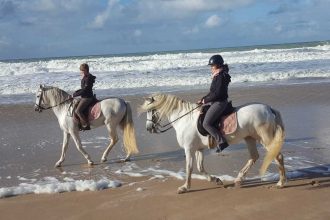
<point x="154" y="116"/>
<point x="156" y="125"/>
<point x="39" y="107"/>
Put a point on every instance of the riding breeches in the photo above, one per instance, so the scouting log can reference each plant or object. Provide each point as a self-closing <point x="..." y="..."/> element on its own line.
<point x="212" y="117"/>
<point x="81" y="108"/>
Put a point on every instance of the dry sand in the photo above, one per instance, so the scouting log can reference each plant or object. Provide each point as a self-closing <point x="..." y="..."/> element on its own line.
<point x="305" y="109"/>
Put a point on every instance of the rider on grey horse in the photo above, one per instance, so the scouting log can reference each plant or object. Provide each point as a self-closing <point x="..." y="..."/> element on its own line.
<point x="86" y="93"/>
<point x="218" y="98"/>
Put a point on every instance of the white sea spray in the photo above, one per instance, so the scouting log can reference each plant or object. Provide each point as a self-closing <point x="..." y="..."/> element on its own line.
<point x="52" y="185"/>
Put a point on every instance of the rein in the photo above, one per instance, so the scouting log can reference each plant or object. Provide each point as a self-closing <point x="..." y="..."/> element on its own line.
<point x="43" y="108"/>
<point x="169" y="123"/>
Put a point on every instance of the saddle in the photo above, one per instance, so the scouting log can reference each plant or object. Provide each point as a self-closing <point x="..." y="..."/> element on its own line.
<point x="93" y="112"/>
<point x="227" y="124"/>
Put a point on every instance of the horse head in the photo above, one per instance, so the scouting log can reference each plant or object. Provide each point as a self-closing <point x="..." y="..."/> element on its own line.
<point x="162" y="106"/>
<point x="152" y="115"/>
<point x="48" y="97"/>
<point x="39" y="99"/>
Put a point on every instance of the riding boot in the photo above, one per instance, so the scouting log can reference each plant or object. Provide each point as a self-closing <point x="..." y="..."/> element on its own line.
<point x="211" y="122"/>
<point x="81" y="112"/>
<point x="84" y="125"/>
<point x="221" y="147"/>
<point x="222" y="144"/>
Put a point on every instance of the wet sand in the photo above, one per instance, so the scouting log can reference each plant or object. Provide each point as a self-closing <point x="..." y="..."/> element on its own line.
<point x="30" y="146"/>
<point x="299" y="201"/>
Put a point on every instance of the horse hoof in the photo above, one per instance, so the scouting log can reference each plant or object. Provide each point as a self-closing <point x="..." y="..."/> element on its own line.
<point x="103" y="160"/>
<point x="182" y="190"/>
<point x="279" y="186"/>
<point x="218" y="182"/>
<point x="90" y="163"/>
<point x="125" y="160"/>
<point x="57" y="165"/>
<point x="238" y="184"/>
<point x="315" y="183"/>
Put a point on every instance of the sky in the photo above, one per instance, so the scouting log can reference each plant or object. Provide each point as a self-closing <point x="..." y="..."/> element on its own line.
<point x="56" y="28"/>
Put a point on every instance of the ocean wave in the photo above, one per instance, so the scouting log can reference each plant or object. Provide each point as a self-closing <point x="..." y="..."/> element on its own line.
<point x="166" y="70"/>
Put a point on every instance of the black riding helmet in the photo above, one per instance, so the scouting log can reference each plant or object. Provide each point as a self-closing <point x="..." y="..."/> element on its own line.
<point x="216" y="60"/>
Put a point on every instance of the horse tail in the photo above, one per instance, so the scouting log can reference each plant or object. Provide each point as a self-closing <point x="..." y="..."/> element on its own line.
<point x="129" y="138"/>
<point x="275" y="145"/>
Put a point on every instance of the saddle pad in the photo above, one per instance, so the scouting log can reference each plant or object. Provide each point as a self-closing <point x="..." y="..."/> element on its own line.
<point x="94" y="111"/>
<point x="229" y="123"/>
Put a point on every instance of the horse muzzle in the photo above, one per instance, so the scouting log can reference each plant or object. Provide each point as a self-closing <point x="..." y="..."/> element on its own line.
<point x="151" y="129"/>
<point x="37" y="108"/>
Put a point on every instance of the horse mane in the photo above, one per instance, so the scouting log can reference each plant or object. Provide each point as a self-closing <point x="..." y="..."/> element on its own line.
<point x="165" y="104"/>
<point x="55" y="95"/>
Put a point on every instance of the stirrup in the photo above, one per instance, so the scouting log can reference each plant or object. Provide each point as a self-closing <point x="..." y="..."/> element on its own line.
<point x="85" y="128"/>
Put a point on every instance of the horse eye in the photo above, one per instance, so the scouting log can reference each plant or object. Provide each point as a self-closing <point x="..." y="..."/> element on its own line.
<point x="38" y="96"/>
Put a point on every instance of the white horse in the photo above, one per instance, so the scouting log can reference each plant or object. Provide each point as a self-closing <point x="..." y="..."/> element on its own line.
<point x="256" y="123"/>
<point x="114" y="112"/>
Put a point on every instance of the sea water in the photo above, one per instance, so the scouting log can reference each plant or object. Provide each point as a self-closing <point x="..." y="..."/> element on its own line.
<point x="145" y="73"/>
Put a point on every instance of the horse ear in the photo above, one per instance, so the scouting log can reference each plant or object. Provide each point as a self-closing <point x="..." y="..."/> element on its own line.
<point x="41" y="86"/>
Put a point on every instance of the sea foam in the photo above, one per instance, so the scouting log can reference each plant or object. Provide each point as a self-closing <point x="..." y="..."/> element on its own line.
<point x="52" y="185"/>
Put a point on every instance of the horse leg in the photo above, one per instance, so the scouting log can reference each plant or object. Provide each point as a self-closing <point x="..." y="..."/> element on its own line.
<point x="189" y="168"/>
<point x="66" y="137"/>
<point x="200" y="166"/>
<point x="280" y="161"/>
<point x="254" y="155"/>
<point x="77" y="141"/>
<point x="113" y="140"/>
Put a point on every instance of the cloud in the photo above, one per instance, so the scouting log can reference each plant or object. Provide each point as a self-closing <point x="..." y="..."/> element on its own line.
<point x="294" y="22"/>
<point x="213" y="21"/>
<point x="72" y="5"/>
<point x="45" y="6"/>
<point x="140" y="25"/>
<point x="4" y="42"/>
<point x="137" y="33"/>
<point x="193" y="30"/>
<point x="102" y="17"/>
<point x="7" y="8"/>
<point x="278" y="28"/>
<point x="161" y="9"/>
<point x="201" y="5"/>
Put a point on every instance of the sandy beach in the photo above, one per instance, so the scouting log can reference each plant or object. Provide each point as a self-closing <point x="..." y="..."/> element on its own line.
<point x="30" y="146"/>
<point x="300" y="200"/>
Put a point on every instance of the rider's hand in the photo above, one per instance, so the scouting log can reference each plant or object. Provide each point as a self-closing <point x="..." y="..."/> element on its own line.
<point x="200" y="102"/>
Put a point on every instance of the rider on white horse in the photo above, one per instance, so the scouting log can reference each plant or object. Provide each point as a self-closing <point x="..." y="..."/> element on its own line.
<point x="86" y="93"/>
<point x="218" y="98"/>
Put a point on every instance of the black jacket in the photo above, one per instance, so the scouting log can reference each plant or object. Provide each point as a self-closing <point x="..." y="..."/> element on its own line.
<point x="219" y="87"/>
<point x="86" y="90"/>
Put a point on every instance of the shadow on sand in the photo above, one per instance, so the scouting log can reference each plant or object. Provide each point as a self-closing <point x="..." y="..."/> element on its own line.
<point x="311" y="178"/>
